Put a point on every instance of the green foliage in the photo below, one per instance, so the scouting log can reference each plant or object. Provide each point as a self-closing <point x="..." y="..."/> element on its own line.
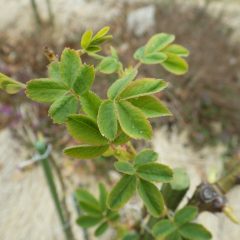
<point x="181" y="227"/>
<point x="159" y="50"/>
<point x="95" y="211"/>
<point x="140" y="176"/>
<point x="92" y="43"/>
<point x="106" y="127"/>
<point x="10" y="85"/>
<point x="151" y="197"/>
<point x="85" y="151"/>
<point x="132" y="121"/>
<point x="107" y="119"/>
<point x="122" y="192"/>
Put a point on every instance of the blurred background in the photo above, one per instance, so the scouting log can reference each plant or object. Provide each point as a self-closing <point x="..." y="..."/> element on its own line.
<point x="202" y="136"/>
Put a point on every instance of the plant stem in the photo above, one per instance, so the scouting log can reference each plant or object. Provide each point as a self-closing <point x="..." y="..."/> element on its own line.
<point x="41" y="147"/>
<point x="36" y="13"/>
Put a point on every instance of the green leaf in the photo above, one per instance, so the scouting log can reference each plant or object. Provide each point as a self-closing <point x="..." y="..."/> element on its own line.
<point x="143" y="87"/>
<point x="121" y="139"/>
<point x="174" y="236"/>
<point x="133" y="121"/>
<point x="124" y="167"/>
<point x="10" y="85"/>
<point x="151" y="106"/>
<point x="85" y="151"/>
<point x="158" y="42"/>
<point x="175" y="64"/>
<point x="103" y="194"/>
<point x="119" y="85"/>
<point x="131" y="236"/>
<point x="86" y="39"/>
<point x="88" y="203"/>
<point x="70" y="66"/>
<point x="151" y="197"/>
<point x="163" y="228"/>
<point x="144" y="157"/>
<point x="85" y="130"/>
<point x="108" y="65"/>
<point x="88" y="221"/>
<point x="93" y="48"/>
<point x="54" y="71"/>
<point x="194" y="231"/>
<point x="101" y="33"/>
<point x="139" y="53"/>
<point x="62" y="108"/>
<point x="180" y="179"/>
<point x="122" y="192"/>
<point x="101" y="229"/>
<point x="155" y="172"/>
<point x="112" y="216"/>
<point x="45" y="90"/>
<point x="90" y="103"/>
<point x="185" y="215"/>
<point x="84" y="79"/>
<point x="177" y="49"/>
<point x="154" y="58"/>
<point x="107" y="119"/>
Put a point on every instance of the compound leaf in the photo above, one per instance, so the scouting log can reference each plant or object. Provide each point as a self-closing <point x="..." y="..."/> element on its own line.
<point x="185" y="215"/>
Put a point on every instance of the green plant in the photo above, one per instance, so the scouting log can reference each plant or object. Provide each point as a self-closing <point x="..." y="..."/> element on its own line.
<point x="107" y="127"/>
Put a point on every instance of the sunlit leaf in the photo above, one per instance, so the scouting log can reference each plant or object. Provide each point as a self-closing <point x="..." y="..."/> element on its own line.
<point x="107" y="119"/>
<point x="175" y="64"/>
<point x="133" y="121"/>
<point x="158" y="42"/>
<point x="143" y="87"/>
<point x="151" y="106"/>
<point x="119" y="85"/>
